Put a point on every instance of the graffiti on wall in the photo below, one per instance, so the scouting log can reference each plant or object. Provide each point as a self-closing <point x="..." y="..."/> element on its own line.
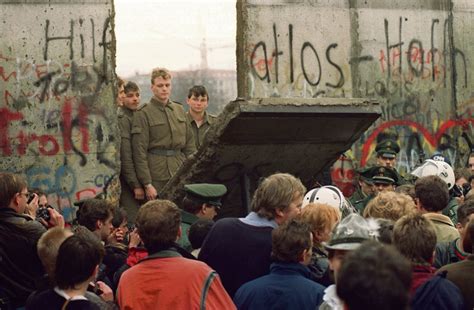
<point x="421" y="75"/>
<point x="56" y="103"/>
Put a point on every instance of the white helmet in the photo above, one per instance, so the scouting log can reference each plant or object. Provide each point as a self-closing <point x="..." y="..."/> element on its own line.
<point x="330" y="195"/>
<point x="436" y="167"/>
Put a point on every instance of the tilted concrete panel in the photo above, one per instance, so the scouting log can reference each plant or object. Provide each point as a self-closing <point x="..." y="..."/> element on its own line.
<point x="253" y="139"/>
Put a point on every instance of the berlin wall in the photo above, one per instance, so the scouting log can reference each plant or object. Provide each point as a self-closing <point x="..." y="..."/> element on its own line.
<point x="57" y="107"/>
<point x="415" y="56"/>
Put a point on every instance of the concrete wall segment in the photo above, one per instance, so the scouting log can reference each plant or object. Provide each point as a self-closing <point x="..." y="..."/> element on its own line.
<point x="415" y="55"/>
<point x="57" y="101"/>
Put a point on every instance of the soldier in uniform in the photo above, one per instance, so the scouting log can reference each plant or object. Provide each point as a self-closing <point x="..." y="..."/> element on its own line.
<point x="384" y="179"/>
<point x="387" y="151"/>
<point x="200" y="120"/>
<point x="161" y="136"/>
<point x="202" y="201"/>
<point x="365" y="188"/>
<point x="132" y="191"/>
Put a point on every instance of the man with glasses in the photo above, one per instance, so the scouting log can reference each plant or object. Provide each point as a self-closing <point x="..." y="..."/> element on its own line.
<point x="20" y="268"/>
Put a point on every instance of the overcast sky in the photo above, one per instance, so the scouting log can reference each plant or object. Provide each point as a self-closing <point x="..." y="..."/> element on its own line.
<point x="152" y="33"/>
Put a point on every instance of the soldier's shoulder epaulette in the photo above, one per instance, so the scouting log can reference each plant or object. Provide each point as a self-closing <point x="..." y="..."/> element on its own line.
<point x="141" y="107"/>
<point x="177" y="102"/>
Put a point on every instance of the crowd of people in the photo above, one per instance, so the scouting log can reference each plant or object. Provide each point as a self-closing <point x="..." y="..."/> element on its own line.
<point x="399" y="242"/>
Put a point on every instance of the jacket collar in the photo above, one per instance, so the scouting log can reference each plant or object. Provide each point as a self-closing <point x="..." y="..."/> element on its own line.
<point x="290" y="268"/>
<point x="204" y="120"/>
<point x="438" y="217"/>
<point x="254" y="219"/>
<point x="171" y="252"/>
<point x="160" y="104"/>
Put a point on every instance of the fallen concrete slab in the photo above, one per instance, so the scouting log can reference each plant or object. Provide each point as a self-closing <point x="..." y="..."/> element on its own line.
<point x="255" y="138"/>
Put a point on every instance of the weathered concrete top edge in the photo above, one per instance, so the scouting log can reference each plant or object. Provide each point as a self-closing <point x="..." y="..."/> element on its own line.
<point x="315" y="101"/>
<point x="55" y="1"/>
<point x="441" y="5"/>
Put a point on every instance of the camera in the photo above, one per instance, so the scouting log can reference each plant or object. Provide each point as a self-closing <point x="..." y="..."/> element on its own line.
<point x="43" y="213"/>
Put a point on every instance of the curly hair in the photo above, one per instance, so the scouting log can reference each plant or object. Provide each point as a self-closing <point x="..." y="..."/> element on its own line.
<point x="390" y="205"/>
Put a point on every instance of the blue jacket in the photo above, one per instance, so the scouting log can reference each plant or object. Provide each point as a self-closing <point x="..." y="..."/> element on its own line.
<point x="288" y="286"/>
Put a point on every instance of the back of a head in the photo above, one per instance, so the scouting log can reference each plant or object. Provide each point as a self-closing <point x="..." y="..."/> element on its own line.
<point x="374" y="276"/>
<point x="158" y="224"/>
<point x="385" y="230"/>
<point x="78" y="256"/>
<point x="407" y="189"/>
<point x="48" y="247"/>
<point x="120" y="215"/>
<point x="198" y="232"/>
<point x="92" y="210"/>
<point x="10" y="184"/>
<point x="390" y="205"/>
<point x="432" y="192"/>
<point x="320" y="216"/>
<point x="289" y="240"/>
<point x="415" y="237"/>
<point x="276" y="192"/>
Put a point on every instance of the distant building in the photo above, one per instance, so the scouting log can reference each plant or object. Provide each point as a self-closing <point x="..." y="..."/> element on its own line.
<point x="221" y="85"/>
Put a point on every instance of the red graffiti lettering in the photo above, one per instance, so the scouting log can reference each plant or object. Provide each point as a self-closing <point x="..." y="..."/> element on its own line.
<point x="86" y="193"/>
<point x="6" y="117"/>
<point x="5" y="77"/>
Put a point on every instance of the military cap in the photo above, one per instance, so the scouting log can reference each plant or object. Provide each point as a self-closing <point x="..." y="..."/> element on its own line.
<point x="351" y="232"/>
<point x="387" y="148"/>
<point x="384" y="175"/>
<point x="366" y="174"/>
<point x="206" y="193"/>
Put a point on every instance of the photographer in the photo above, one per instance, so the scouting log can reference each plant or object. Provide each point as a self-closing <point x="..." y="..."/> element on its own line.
<point x="20" y="267"/>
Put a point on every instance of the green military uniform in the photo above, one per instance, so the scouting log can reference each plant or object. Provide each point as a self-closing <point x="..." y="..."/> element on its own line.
<point x="380" y="175"/>
<point x="203" y="193"/>
<point x="161" y="140"/>
<point x="359" y="199"/>
<point x="128" y="177"/>
<point x="187" y="219"/>
<point x="451" y="210"/>
<point x="389" y="148"/>
<point x="200" y="132"/>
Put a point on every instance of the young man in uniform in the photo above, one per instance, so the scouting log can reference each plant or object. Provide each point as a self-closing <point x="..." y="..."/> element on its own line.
<point x="200" y="120"/>
<point x="161" y="137"/>
<point x="132" y="191"/>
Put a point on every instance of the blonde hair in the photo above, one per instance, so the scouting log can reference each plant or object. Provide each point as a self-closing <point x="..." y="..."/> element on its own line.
<point x="160" y="72"/>
<point x="320" y="216"/>
<point x="276" y="192"/>
<point x="48" y="247"/>
<point x="390" y="205"/>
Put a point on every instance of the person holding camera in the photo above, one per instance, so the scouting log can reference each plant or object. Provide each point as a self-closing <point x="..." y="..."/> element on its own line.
<point x="20" y="267"/>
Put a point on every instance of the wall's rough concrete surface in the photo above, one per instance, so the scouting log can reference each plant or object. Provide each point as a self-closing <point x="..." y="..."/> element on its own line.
<point x="57" y="111"/>
<point x="416" y="55"/>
